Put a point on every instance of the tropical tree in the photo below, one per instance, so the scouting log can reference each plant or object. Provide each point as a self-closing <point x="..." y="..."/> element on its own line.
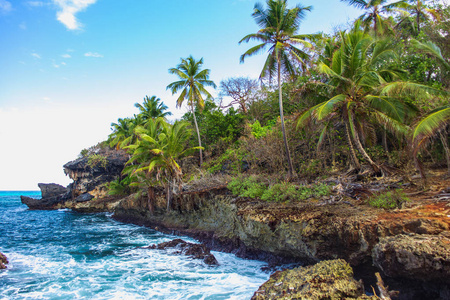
<point x="152" y="108"/>
<point x="279" y="26"/>
<point x="158" y="150"/>
<point x="123" y="131"/>
<point x="366" y="90"/>
<point x="241" y="89"/>
<point x="374" y="10"/>
<point x="419" y="11"/>
<point x="192" y="83"/>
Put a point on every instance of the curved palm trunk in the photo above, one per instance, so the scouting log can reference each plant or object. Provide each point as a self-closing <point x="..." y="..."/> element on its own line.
<point x="353" y="159"/>
<point x="363" y="152"/>
<point x="280" y="98"/>
<point x="198" y="135"/>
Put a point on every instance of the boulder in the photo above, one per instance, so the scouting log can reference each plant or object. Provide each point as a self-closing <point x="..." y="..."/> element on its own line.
<point x="52" y="195"/>
<point x="197" y="251"/>
<point x="3" y="261"/>
<point x="414" y="256"/>
<point x="331" y="279"/>
<point x="84" y="197"/>
<point x="49" y="190"/>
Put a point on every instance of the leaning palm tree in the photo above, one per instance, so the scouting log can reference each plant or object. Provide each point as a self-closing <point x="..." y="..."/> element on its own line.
<point x="366" y="90"/>
<point x="192" y="83"/>
<point x="374" y="10"/>
<point x="279" y="26"/>
<point x="420" y="12"/>
<point x="152" y="108"/>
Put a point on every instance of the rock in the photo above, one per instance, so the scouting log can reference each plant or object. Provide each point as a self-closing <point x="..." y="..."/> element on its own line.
<point x="331" y="279"/>
<point x="52" y="195"/>
<point x="414" y="256"/>
<point x="90" y="178"/>
<point x="197" y="251"/>
<point x="84" y="197"/>
<point x="49" y="190"/>
<point x="3" y="261"/>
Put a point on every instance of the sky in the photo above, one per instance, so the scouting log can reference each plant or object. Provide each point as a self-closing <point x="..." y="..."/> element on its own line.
<point x="69" y="68"/>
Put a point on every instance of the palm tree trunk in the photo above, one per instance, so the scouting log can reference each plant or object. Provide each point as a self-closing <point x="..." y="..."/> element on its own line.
<point x="363" y="152"/>
<point x="198" y="135"/>
<point x="169" y="195"/>
<point x="280" y="98"/>
<point x="384" y="139"/>
<point x="353" y="159"/>
<point x="446" y="148"/>
<point x="151" y="198"/>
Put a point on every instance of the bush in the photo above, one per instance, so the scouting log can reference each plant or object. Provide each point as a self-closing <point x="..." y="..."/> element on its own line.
<point x="280" y="192"/>
<point x="97" y="160"/>
<point x="388" y="200"/>
<point x="247" y="187"/>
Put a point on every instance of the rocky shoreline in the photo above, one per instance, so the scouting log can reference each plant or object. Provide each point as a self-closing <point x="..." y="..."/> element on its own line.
<point x="409" y="247"/>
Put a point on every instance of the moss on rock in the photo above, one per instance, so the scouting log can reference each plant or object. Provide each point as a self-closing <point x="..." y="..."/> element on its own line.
<point x="332" y="279"/>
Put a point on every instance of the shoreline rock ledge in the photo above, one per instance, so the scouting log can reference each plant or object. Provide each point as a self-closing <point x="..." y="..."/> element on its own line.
<point x="3" y="261"/>
<point x="52" y="194"/>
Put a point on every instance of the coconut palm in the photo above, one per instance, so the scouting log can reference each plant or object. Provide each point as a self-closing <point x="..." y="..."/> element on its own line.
<point x="152" y="108"/>
<point x="279" y="26"/>
<point x="420" y="12"/>
<point x="366" y="91"/>
<point x="123" y="131"/>
<point x="159" y="148"/>
<point x="192" y="83"/>
<point x="433" y="123"/>
<point x="375" y="9"/>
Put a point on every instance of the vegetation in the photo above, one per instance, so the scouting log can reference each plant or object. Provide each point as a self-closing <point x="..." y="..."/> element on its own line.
<point x="365" y="101"/>
<point x="388" y="200"/>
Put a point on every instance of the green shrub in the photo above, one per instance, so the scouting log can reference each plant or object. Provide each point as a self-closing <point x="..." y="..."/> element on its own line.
<point x="246" y="187"/>
<point x="259" y="131"/>
<point x="388" y="200"/>
<point x="97" y="160"/>
<point x="232" y="157"/>
<point x="280" y="192"/>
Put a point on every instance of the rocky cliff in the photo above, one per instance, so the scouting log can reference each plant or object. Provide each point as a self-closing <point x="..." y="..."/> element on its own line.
<point x="88" y="192"/>
<point x="409" y="247"/>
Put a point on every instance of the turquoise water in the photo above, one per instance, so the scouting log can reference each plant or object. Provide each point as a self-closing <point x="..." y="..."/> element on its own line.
<point x="67" y="255"/>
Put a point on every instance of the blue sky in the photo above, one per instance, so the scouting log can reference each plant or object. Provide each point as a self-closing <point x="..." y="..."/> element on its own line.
<point x="68" y="68"/>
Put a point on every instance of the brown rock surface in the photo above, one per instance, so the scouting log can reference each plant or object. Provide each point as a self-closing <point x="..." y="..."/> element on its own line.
<point x="3" y="261"/>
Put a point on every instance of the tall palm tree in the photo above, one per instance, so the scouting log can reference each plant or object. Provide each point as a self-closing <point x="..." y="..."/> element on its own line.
<point x="419" y="11"/>
<point x="366" y="91"/>
<point x="192" y="83"/>
<point x="279" y="26"/>
<point x="152" y="108"/>
<point x="374" y="10"/>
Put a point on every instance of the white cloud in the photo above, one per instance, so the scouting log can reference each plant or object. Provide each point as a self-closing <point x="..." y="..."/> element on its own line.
<point x="34" y="54"/>
<point x="5" y="6"/>
<point x="68" y="10"/>
<point x="93" y="54"/>
<point x="66" y="55"/>
<point x="63" y="63"/>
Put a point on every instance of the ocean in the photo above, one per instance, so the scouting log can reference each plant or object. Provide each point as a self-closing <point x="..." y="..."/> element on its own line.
<point x="63" y="254"/>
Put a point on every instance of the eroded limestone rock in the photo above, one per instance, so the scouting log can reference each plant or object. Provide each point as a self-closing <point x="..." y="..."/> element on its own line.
<point x="414" y="256"/>
<point x="331" y="279"/>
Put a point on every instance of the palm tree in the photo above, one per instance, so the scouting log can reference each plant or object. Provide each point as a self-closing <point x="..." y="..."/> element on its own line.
<point x="192" y="83"/>
<point x="419" y="11"/>
<point x="435" y="122"/>
<point x="123" y="131"/>
<point x="152" y="108"/>
<point x="159" y="147"/>
<point x="365" y="92"/>
<point x="278" y="32"/>
<point x="374" y="10"/>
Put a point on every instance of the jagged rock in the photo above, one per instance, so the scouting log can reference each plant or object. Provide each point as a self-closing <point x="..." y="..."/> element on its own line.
<point x="90" y="178"/>
<point x="331" y="279"/>
<point x="84" y="197"/>
<point x="49" y="190"/>
<point x="197" y="251"/>
<point x="52" y="195"/>
<point x="414" y="256"/>
<point x="3" y="261"/>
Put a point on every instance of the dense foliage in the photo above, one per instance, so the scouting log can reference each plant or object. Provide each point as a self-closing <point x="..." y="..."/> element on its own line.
<point x="376" y="93"/>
